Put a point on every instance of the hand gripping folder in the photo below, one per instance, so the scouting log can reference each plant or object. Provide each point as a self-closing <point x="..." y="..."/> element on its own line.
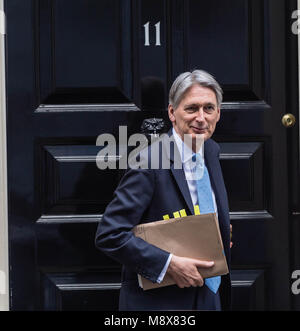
<point x="196" y="236"/>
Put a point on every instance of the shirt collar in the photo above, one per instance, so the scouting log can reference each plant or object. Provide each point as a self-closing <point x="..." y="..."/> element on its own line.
<point x="186" y="153"/>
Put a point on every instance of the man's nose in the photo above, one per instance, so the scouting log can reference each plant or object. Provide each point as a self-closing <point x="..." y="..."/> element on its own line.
<point x="200" y="115"/>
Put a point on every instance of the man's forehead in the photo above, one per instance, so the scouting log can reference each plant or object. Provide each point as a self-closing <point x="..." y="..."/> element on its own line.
<point x="198" y="91"/>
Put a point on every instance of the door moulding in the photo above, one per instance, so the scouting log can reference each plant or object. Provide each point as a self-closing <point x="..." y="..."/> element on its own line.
<point x="299" y="75"/>
<point x="4" y="283"/>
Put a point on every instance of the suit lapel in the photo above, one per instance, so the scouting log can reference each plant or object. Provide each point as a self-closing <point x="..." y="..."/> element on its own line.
<point x="216" y="178"/>
<point x="179" y="175"/>
<point x="212" y="170"/>
<point x="183" y="186"/>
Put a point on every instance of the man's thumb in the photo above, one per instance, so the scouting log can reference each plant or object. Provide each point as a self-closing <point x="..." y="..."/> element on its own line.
<point x="204" y="264"/>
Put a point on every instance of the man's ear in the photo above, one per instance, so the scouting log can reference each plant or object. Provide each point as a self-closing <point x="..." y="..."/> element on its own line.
<point x="219" y="114"/>
<point x="171" y="113"/>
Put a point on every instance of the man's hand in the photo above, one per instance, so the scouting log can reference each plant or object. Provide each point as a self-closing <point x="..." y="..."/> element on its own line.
<point x="184" y="271"/>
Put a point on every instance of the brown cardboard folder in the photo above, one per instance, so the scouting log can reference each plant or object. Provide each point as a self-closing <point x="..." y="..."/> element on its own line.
<point x="196" y="236"/>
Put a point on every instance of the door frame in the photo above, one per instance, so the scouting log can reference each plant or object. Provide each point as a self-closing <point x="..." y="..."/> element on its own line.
<point x="298" y="67"/>
<point x="293" y="147"/>
<point x="4" y="277"/>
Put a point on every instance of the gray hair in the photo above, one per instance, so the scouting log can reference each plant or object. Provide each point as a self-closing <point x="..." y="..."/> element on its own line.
<point x="187" y="79"/>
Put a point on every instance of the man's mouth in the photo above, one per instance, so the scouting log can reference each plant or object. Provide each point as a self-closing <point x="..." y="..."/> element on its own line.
<point x="199" y="130"/>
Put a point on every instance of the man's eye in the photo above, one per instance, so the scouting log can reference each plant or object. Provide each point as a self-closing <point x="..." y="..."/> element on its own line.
<point x="191" y="109"/>
<point x="209" y="108"/>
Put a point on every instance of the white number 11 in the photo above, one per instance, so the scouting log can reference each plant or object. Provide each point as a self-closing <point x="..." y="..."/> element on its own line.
<point x="157" y="34"/>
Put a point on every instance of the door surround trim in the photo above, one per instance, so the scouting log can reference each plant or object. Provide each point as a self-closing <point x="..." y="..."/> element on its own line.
<point x="299" y="76"/>
<point x="4" y="264"/>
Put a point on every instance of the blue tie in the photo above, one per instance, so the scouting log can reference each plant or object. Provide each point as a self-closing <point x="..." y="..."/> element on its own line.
<point x="206" y="205"/>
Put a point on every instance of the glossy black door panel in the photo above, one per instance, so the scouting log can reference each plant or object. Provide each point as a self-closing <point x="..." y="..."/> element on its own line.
<point x="225" y="52"/>
<point x="87" y="292"/>
<point x="243" y="163"/>
<point x="84" y="63"/>
<point x="71" y="182"/>
<point x="248" y="290"/>
<point x="234" y="54"/>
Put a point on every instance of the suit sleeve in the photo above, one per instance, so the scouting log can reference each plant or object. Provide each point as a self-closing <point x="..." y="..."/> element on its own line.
<point x="114" y="236"/>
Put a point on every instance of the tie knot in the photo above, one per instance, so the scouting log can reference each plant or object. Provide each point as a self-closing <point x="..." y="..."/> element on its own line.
<point x="197" y="168"/>
<point x="197" y="158"/>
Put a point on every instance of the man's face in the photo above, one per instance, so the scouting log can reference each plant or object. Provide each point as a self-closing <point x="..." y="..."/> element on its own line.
<point x="197" y="113"/>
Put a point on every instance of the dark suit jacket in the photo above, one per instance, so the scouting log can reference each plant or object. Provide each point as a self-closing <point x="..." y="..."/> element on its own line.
<point x="145" y="195"/>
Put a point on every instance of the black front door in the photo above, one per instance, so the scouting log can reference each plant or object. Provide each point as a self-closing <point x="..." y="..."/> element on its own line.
<point x="77" y="69"/>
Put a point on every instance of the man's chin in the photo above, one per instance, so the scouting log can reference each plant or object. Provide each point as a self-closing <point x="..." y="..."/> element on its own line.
<point x="200" y="136"/>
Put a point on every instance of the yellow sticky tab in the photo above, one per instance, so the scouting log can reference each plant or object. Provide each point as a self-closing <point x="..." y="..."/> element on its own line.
<point x="182" y="213"/>
<point x="176" y="214"/>
<point x="196" y="210"/>
<point x="166" y="217"/>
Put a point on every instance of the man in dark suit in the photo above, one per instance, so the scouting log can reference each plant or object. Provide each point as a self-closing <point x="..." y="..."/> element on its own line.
<point x="145" y="195"/>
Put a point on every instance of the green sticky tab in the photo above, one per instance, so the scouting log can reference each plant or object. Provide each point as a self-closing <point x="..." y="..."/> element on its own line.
<point x="166" y="217"/>
<point x="176" y="214"/>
